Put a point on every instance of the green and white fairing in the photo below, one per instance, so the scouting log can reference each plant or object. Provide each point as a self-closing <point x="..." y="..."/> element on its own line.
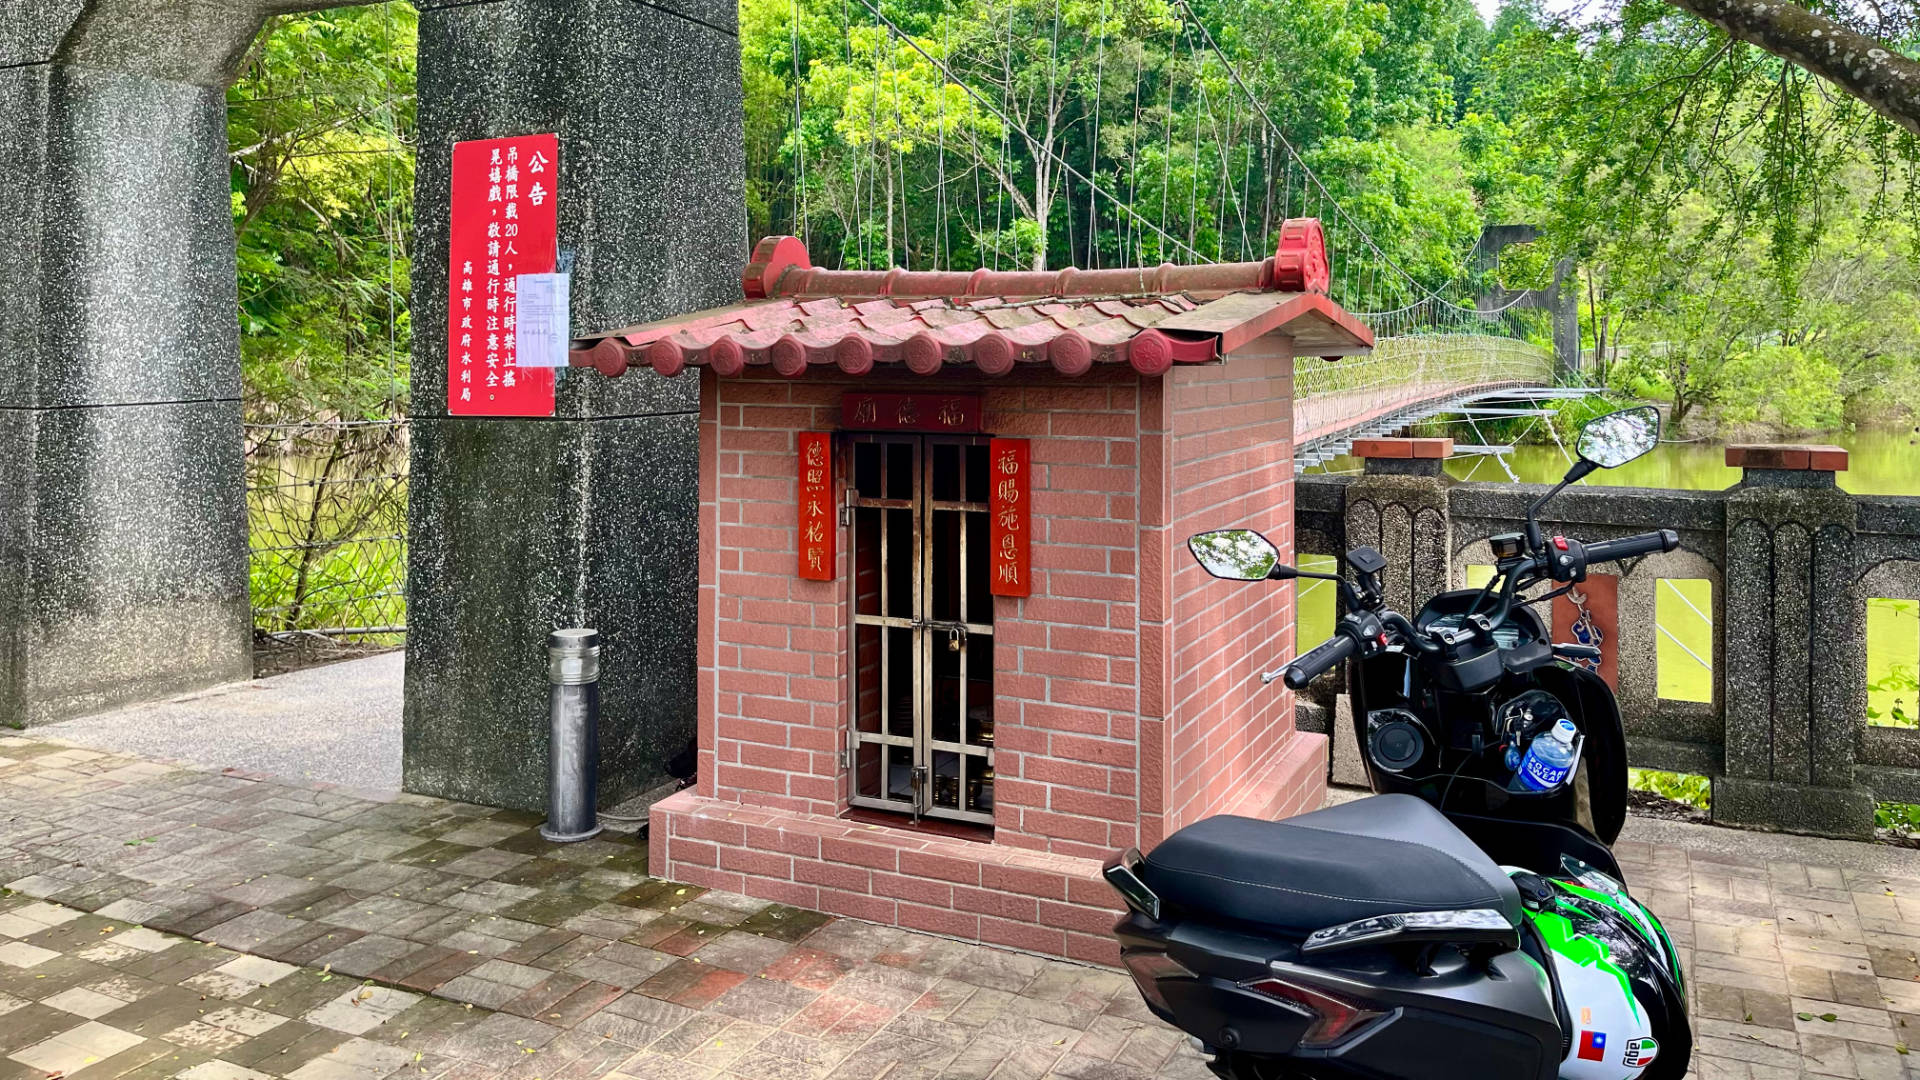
<point x="1618" y="973"/>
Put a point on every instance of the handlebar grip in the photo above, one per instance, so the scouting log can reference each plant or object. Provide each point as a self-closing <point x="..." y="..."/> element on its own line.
<point x="1324" y="657"/>
<point x="1644" y="544"/>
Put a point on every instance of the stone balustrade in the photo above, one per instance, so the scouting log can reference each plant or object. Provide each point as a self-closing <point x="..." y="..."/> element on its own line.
<point x="1791" y="561"/>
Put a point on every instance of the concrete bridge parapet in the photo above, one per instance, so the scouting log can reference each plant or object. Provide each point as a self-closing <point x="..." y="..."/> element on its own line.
<point x="1791" y="561"/>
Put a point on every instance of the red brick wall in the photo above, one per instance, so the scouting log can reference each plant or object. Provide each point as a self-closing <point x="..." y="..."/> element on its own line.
<point x="1230" y="742"/>
<point x="1127" y="689"/>
<point x="773" y="649"/>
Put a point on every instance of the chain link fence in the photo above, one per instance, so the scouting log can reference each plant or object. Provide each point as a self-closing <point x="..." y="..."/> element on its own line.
<point x="327" y="513"/>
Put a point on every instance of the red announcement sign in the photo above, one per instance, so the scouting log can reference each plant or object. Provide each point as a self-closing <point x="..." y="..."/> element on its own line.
<point x="503" y="224"/>
<point x="816" y="506"/>
<point x="1009" y="474"/>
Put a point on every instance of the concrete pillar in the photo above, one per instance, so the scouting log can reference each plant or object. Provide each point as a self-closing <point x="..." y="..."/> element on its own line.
<point x="1794" y="673"/>
<point x="1400" y="507"/>
<point x="1561" y="299"/>
<point x="123" y="552"/>
<point x="521" y="526"/>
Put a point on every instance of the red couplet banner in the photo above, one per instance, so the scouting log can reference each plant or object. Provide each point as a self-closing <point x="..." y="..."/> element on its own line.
<point x="504" y="223"/>
<point x="816" y="506"/>
<point x="1009" y="475"/>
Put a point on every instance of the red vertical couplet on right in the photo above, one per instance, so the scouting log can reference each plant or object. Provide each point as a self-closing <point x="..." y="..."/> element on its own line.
<point x="1009" y="534"/>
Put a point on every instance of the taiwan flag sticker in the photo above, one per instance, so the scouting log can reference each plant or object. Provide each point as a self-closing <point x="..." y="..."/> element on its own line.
<point x="1640" y="1053"/>
<point x="1593" y="1046"/>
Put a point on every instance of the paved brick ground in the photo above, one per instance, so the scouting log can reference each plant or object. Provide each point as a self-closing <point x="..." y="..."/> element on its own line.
<point x="489" y="952"/>
<point x="166" y="921"/>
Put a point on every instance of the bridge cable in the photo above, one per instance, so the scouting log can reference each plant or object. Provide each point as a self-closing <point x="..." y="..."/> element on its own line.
<point x="1065" y="166"/>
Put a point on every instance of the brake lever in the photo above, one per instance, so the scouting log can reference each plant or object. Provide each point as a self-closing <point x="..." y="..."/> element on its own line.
<point x="1268" y="676"/>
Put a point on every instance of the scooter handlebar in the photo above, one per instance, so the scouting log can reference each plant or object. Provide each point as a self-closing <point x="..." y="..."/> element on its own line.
<point x="1321" y="659"/>
<point x="1644" y="544"/>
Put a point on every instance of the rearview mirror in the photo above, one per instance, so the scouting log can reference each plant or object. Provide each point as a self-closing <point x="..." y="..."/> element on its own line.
<point x="1612" y="440"/>
<point x="1238" y="555"/>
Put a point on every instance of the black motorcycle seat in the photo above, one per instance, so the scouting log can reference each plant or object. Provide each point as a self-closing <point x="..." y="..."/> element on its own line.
<point x="1375" y="856"/>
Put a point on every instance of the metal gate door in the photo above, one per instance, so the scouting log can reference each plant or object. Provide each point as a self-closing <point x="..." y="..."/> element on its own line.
<point x="923" y="627"/>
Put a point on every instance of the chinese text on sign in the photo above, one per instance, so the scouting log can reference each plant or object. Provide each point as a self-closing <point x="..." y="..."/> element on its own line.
<point x="1009" y="484"/>
<point x="816" y="506"/>
<point x="503" y="224"/>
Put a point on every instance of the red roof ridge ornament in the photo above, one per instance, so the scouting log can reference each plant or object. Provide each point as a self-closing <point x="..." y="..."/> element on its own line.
<point x="772" y="258"/>
<point x="1300" y="264"/>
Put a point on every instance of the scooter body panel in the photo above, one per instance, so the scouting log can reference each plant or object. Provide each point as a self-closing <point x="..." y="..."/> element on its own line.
<point x="1491" y="1017"/>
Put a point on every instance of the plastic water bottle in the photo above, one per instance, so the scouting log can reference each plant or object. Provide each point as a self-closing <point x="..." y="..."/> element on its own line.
<point x="1549" y="758"/>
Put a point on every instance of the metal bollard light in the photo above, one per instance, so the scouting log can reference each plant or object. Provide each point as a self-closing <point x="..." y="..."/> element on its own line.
<point x="573" y="747"/>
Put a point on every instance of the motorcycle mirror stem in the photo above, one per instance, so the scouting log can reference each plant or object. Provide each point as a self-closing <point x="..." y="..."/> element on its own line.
<point x="1282" y="572"/>
<point x="1536" y="538"/>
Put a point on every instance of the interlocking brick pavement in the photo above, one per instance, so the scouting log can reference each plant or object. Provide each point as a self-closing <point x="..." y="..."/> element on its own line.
<point x="165" y="921"/>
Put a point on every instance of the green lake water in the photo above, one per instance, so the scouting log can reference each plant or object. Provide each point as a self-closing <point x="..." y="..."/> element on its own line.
<point x="1882" y="462"/>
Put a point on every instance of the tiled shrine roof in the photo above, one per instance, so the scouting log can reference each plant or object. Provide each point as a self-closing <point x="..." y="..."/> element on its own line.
<point x="796" y="316"/>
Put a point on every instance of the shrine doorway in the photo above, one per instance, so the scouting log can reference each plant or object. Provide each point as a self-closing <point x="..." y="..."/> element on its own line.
<point x="923" y="646"/>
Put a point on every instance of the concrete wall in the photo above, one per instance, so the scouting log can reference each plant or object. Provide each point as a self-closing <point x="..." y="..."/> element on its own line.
<point x="521" y="526"/>
<point x="123" y="536"/>
<point x="122" y="509"/>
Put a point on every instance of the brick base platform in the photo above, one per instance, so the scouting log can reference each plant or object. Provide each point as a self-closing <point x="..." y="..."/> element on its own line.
<point x="993" y="893"/>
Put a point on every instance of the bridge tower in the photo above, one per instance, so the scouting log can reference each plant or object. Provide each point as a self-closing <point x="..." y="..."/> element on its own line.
<point x="123" y="532"/>
<point x="1560" y="299"/>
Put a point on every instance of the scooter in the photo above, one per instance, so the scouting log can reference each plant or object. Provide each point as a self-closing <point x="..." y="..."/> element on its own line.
<point x="1469" y="920"/>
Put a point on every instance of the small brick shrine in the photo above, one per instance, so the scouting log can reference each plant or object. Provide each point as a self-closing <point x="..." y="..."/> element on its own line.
<point x="953" y="652"/>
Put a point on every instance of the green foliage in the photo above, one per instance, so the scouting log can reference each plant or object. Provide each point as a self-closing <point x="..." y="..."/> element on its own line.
<point x="320" y="128"/>
<point x="1746" y="233"/>
<point x="1695" y="791"/>
<point x="1787" y="387"/>
<point x="897" y="165"/>
<point x="320" y="133"/>
<point x="1902" y="817"/>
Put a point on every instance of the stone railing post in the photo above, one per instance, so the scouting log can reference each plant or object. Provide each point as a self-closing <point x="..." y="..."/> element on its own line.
<point x="1794" y="676"/>
<point x="1400" y="507"/>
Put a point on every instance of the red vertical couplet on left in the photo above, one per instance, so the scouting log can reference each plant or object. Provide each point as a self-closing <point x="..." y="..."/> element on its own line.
<point x="504" y="223"/>
<point x="816" y="506"/>
<point x="1009" y="534"/>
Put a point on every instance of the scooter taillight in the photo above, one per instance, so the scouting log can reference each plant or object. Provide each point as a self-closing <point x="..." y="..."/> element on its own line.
<point x="1148" y="969"/>
<point x="1335" y="1017"/>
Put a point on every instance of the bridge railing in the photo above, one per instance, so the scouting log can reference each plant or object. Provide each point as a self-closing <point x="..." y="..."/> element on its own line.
<point x="1782" y="568"/>
<point x="1409" y="370"/>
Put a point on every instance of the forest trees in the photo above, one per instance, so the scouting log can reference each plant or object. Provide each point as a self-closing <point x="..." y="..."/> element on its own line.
<point x="1746" y="230"/>
<point x="319" y="129"/>
<point x="1653" y="145"/>
<point x="1042" y="133"/>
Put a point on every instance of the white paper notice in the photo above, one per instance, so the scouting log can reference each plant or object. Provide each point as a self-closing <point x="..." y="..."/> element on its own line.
<point x="542" y="323"/>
